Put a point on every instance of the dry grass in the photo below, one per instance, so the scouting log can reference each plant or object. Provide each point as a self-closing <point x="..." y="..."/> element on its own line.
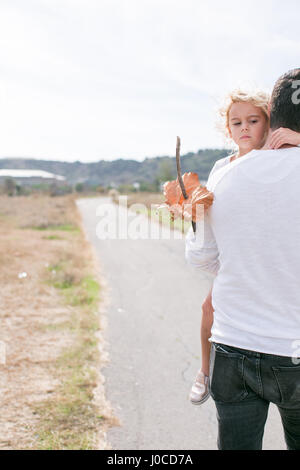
<point x="51" y="389"/>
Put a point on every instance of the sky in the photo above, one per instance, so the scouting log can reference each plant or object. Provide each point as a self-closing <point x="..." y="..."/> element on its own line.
<point x="98" y="80"/>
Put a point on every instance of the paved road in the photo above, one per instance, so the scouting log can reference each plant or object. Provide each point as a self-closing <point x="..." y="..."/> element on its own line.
<point x="153" y="336"/>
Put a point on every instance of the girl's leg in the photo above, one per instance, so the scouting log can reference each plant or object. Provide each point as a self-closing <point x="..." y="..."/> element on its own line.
<point x="206" y="325"/>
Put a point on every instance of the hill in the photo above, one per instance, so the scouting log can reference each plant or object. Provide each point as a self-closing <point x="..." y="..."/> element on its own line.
<point x="121" y="171"/>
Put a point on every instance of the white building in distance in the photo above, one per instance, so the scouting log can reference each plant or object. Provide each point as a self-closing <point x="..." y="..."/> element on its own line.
<point x="30" y="176"/>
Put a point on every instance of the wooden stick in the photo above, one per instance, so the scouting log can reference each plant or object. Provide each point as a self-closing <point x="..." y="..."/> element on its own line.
<point x="180" y="177"/>
<point x="179" y="169"/>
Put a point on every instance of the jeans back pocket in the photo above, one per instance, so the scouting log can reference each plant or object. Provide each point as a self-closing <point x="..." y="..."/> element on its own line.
<point x="288" y="381"/>
<point x="226" y="382"/>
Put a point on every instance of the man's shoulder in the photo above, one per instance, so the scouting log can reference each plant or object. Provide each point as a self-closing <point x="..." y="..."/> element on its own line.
<point x="259" y="165"/>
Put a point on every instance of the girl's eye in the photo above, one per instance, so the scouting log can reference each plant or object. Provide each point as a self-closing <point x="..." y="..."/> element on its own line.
<point x="236" y="123"/>
<point x="254" y="121"/>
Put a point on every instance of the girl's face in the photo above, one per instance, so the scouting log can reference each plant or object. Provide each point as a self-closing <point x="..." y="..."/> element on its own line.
<point x="248" y="126"/>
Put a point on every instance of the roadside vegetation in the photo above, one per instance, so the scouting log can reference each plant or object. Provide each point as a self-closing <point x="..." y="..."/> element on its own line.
<point x="52" y="389"/>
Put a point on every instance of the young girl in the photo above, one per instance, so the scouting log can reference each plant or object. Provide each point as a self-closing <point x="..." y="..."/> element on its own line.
<point x="246" y="123"/>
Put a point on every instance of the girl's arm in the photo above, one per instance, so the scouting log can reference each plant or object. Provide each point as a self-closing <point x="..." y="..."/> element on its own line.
<point x="201" y="249"/>
<point x="284" y="136"/>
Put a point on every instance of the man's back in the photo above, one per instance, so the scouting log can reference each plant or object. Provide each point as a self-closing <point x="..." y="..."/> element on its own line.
<point x="255" y="219"/>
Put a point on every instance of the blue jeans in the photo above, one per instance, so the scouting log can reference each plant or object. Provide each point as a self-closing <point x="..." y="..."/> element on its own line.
<point x="243" y="383"/>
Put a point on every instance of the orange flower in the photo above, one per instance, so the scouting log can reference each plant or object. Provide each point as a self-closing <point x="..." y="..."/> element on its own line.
<point x="187" y="208"/>
<point x="172" y="190"/>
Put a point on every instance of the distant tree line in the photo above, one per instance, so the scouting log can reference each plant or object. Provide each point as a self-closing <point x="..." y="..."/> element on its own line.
<point x="123" y="175"/>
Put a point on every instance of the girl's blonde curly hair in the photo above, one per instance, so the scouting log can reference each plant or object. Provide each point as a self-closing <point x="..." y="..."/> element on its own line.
<point x="257" y="98"/>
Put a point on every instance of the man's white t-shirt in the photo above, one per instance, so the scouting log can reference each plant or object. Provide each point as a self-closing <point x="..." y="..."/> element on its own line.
<point x="252" y="245"/>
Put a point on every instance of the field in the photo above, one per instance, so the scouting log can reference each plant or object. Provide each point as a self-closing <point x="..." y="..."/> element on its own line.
<point x="51" y="389"/>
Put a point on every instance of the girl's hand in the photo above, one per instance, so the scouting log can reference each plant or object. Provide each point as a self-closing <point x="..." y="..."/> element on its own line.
<point x="284" y="136"/>
<point x="199" y="201"/>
